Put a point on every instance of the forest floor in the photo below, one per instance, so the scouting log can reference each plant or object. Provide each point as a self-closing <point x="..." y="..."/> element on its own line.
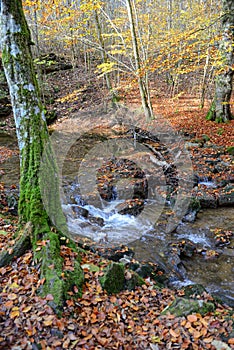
<point x="131" y="319"/>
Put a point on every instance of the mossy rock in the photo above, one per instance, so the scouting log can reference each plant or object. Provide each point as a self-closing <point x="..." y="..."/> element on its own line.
<point x="145" y="270"/>
<point x="184" y="307"/>
<point x="194" y="204"/>
<point x="205" y="137"/>
<point x="113" y="279"/>
<point x="230" y="150"/>
<point x="148" y="270"/>
<point x="194" y="290"/>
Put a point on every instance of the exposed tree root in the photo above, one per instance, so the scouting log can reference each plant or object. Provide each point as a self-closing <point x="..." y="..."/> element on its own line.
<point x="21" y="246"/>
<point x="58" y="280"/>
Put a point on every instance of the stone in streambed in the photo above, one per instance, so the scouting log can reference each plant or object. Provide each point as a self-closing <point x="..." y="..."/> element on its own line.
<point x="131" y="207"/>
<point x="194" y="290"/>
<point x="80" y="211"/>
<point x="116" y="253"/>
<point x="96" y="220"/>
<point x="226" y="196"/>
<point x="207" y="200"/>
<point x="184" y="307"/>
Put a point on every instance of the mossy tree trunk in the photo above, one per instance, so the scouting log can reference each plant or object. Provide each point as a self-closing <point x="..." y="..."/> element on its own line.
<point x="33" y="140"/>
<point x="220" y="110"/>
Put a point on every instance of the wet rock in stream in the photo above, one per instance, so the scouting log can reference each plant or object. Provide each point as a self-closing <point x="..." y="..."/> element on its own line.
<point x="79" y="211"/>
<point x="130" y="207"/>
<point x="226" y="196"/>
<point x="121" y="178"/>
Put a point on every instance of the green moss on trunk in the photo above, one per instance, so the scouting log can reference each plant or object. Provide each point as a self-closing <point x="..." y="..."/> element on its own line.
<point x="211" y="113"/>
<point x="57" y="282"/>
<point x="38" y="211"/>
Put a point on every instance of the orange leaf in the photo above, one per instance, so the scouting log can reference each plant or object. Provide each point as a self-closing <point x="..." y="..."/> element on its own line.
<point x="60" y="325"/>
<point x="208" y="340"/>
<point x="9" y="304"/>
<point x="196" y="334"/>
<point x="48" y="320"/>
<point x="14" y="314"/>
<point x="174" y="333"/>
<point x="27" y="309"/>
<point x="192" y="318"/>
<point x="88" y="337"/>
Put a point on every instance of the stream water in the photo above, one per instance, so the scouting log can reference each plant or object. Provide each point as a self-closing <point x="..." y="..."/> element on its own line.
<point x="148" y="241"/>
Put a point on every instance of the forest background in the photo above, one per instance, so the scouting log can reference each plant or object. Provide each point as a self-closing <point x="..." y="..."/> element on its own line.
<point x="169" y="47"/>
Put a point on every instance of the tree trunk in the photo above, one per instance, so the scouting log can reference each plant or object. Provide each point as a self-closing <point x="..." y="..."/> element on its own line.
<point x="141" y="84"/>
<point x="32" y="136"/>
<point x="114" y="96"/>
<point x="220" y="110"/>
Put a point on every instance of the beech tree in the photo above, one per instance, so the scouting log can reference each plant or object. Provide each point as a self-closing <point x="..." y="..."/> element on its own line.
<point x="220" y="110"/>
<point x="143" y="86"/>
<point x="36" y="226"/>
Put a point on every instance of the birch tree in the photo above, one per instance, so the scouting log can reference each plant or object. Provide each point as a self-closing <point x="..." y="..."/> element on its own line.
<point x="35" y="224"/>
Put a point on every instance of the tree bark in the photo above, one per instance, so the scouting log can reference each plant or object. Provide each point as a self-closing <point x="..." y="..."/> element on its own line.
<point x="33" y="140"/>
<point x="220" y="110"/>
<point x="142" y="87"/>
<point x="114" y="96"/>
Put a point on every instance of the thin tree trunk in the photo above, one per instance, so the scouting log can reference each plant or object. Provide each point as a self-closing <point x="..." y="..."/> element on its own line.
<point x="114" y="96"/>
<point x="141" y="84"/>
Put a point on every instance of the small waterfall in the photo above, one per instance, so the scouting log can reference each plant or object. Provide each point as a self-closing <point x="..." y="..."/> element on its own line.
<point x="206" y="181"/>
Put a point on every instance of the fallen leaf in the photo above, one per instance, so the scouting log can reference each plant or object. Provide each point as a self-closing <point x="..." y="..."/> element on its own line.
<point x="174" y="333"/>
<point x="27" y="309"/>
<point x="192" y="318"/>
<point x="12" y="296"/>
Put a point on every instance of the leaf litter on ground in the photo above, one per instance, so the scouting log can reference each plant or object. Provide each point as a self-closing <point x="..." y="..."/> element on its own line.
<point x="129" y="320"/>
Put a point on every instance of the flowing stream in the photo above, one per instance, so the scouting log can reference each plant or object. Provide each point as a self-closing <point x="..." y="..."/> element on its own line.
<point x="102" y="223"/>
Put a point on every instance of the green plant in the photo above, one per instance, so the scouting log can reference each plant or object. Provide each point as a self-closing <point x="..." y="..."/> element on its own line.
<point x="220" y="131"/>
